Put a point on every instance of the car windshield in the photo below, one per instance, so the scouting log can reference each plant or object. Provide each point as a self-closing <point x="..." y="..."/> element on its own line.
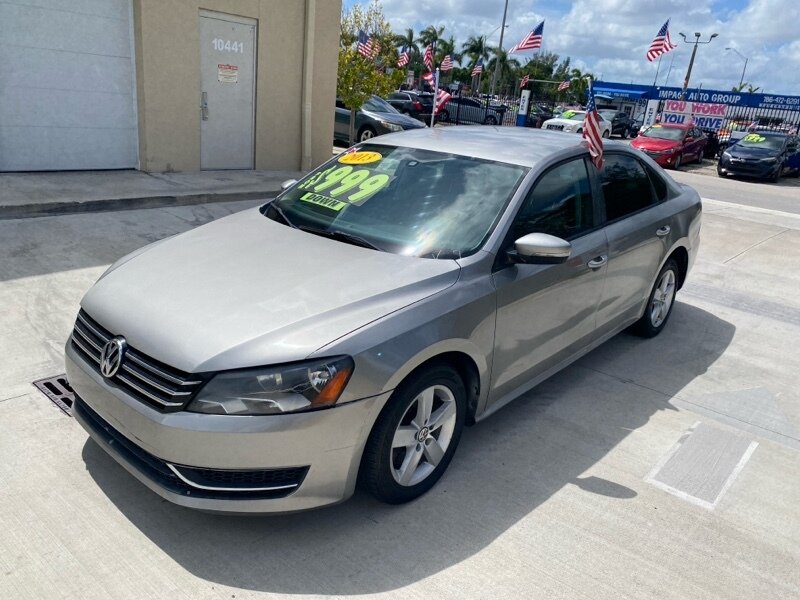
<point x="376" y="104"/>
<point x="766" y="141"/>
<point x="663" y="133"/>
<point x="402" y="200"/>
<point x="608" y="115"/>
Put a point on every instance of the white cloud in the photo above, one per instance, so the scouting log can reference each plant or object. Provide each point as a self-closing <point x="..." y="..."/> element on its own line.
<point x="611" y="37"/>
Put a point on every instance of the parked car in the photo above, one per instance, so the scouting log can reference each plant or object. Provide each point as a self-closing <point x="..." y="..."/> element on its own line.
<point x="621" y="123"/>
<point x="469" y="110"/>
<point x="537" y="115"/>
<point x="571" y="121"/>
<point x="761" y="154"/>
<point x="671" y="145"/>
<point x="376" y="117"/>
<point x="414" y="104"/>
<point x="347" y="330"/>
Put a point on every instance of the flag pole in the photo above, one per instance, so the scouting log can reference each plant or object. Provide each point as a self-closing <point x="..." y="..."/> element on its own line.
<point x="658" y="68"/>
<point x="435" y="95"/>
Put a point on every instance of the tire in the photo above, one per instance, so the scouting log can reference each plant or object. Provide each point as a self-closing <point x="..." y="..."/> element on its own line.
<point x="579" y="130"/>
<point x="444" y="116"/>
<point x="490" y="120"/>
<point x="394" y="471"/>
<point x="606" y="134"/>
<point x="366" y="133"/>
<point x="777" y="177"/>
<point x="678" y="162"/>
<point x="660" y="302"/>
<point x="720" y="173"/>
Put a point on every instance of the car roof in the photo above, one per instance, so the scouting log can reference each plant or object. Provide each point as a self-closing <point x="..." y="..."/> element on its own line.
<point x="522" y="146"/>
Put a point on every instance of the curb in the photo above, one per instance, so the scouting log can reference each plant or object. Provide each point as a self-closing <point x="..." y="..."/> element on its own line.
<point x="49" y="209"/>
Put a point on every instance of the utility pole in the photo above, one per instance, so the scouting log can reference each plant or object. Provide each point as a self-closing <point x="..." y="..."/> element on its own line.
<point x="691" y="60"/>
<point x="500" y="49"/>
<point x="741" y="79"/>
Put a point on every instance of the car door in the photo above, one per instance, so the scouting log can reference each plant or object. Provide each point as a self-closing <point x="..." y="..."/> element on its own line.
<point x="545" y="313"/>
<point x="341" y="124"/>
<point x="640" y="229"/>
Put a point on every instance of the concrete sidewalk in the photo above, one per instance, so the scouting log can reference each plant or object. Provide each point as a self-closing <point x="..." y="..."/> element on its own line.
<point x="40" y="194"/>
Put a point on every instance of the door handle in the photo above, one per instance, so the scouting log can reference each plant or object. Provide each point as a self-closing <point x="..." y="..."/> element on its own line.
<point x="598" y="262"/>
<point x="204" y="106"/>
<point x="662" y="231"/>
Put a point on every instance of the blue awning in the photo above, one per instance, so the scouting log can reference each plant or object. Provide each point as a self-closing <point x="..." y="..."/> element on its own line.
<point x="619" y="93"/>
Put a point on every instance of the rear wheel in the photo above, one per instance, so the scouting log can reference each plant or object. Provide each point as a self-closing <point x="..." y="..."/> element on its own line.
<point x="490" y="120"/>
<point x="660" y="302"/>
<point x="366" y="133"/>
<point x="606" y="134"/>
<point x="444" y="116"/>
<point x="415" y="437"/>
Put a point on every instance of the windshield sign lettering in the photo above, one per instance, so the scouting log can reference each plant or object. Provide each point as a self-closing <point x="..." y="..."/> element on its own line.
<point x="347" y="183"/>
<point x="323" y="201"/>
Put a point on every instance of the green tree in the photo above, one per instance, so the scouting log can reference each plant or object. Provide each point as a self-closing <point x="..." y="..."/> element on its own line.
<point x="741" y="88"/>
<point x="476" y="49"/>
<point x="430" y="35"/>
<point x="507" y="68"/>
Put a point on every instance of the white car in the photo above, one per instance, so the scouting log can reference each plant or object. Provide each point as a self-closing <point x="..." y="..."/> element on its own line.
<point x="571" y="121"/>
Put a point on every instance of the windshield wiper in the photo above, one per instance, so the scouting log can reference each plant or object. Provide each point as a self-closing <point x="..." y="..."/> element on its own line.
<point x="342" y="236"/>
<point x="281" y="214"/>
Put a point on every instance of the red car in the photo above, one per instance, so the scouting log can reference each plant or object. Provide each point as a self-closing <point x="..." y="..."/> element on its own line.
<point x="672" y="145"/>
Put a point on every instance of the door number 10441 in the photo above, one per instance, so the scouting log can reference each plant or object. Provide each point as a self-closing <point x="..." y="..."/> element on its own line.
<point x="227" y="46"/>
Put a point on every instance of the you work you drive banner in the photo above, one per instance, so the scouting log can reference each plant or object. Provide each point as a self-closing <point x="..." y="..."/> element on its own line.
<point x="700" y="114"/>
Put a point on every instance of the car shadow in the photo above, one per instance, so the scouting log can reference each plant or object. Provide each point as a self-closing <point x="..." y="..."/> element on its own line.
<point x="506" y="467"/>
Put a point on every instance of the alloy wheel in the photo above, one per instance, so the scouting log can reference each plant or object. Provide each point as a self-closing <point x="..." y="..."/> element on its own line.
<point x="663" y="296"/>
<point x="423" y="435"/>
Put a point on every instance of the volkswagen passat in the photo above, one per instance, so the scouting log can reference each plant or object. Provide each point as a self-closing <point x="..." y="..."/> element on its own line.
<point x="345" y="332"/>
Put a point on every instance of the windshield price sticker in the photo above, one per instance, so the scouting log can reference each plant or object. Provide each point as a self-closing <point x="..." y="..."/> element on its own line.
<point x="754" y="137"/>
<point x="568" y="114"/>
<point x="359" y="158"/>
<point x="323" y="201"/>
<point x="346" y="184"/>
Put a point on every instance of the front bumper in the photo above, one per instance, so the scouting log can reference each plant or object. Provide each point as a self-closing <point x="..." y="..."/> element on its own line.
<point x="757" y="169"/>
<point x="663" y="160"/>
<point x="307" y="459"/>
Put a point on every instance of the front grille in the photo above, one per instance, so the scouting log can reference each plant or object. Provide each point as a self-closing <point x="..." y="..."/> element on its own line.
<point x="282" y="481"/>
<point x="154" y="383"/>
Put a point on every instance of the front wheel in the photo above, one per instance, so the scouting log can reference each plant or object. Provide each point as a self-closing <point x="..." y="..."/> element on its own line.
<point x="490" y="120"/>
<point x="678" y="161"/>
<point x="444" y="116"/>
<point x="660" y="302"/>
<point x="606" y="134"/>
<point x="367" y="133"/>
<point x="415" y="436"/>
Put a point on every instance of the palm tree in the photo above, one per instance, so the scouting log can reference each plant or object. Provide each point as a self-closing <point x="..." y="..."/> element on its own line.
<point x="506" y="66"/>
<point x="430" y="35"/>
<point x="407" y="40"/>
<point x="445" y="47"/>
<point x="475" y="47"/>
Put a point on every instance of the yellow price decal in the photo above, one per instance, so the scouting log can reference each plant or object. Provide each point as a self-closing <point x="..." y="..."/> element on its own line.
<point x="359" y="158"/>
<point x="568" y="114"/>
<point x="346" y="183"/>
<point x="754" y="137"/>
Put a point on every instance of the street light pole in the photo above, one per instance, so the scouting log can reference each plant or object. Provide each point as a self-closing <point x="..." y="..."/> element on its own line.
<point x="499" y="49"/>
<point x="691" y="60"/>
<point x="741" y="80"/>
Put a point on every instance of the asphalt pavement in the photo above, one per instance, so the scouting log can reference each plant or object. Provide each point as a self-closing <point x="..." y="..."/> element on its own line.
<point x="662" y="468"/>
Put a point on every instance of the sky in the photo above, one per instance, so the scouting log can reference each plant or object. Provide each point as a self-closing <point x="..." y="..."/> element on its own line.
<point x="610" y="37"/>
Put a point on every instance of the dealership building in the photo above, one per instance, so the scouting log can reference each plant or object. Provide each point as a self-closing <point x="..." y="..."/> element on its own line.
<point x="167" y="85"/>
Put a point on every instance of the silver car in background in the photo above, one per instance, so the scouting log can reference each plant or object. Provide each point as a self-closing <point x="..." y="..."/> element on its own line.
<point x="345" y="332"/>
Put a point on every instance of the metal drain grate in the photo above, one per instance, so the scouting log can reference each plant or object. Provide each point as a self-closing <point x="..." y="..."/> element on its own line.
<point x="58" y="389"/>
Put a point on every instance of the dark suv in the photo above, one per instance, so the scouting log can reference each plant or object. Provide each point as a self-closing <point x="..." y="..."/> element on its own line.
<point x="621" y="124"/>
<point x="414" y="104"/>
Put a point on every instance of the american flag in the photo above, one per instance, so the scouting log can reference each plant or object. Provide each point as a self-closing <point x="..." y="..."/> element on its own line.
<point x="478" y="68"/>
<point x="366" y="45"/>
<point x="531" y="41"/>
<point x="661" y="43"/>
<point x="563" y="85"/>
<point x="524" y="81"/>
<point x="447" y="64"/>
<point x="429" y="78"/>
<point x="428" y="57"/>
<point x="405" y="56"/>
<point x="442" y="98"/>
<point x="591" y="132"/>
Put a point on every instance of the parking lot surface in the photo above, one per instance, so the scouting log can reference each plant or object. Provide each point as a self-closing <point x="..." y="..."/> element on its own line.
<point x="662" y="468"/>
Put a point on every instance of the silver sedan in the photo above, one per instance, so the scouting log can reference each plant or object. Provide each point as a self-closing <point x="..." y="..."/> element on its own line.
<point x="344" y="333"/>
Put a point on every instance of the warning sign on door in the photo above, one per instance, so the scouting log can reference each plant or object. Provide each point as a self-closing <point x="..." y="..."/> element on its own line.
<point x="227" y="73"/>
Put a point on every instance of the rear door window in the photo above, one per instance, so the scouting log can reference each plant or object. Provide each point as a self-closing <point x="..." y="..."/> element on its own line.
<point x="626" y="186"/>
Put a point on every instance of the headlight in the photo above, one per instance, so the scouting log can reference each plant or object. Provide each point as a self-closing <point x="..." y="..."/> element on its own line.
<point x="391" y="126"/>
<point x="726" y="155"/>
<point x="769" y="160"/>
<point x="275" y="390"/>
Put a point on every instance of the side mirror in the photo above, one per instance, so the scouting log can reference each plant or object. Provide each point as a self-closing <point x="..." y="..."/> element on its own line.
<point x="287" y="184"/>
<point x="541" y="249"/>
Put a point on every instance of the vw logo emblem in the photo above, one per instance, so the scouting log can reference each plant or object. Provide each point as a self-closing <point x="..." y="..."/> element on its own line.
<point x="111" y="356"/>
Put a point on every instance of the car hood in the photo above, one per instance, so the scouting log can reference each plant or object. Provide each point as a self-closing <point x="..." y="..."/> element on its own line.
<point x="557" y="121"/>
<point x="654" y="144"/>
<point x="396" y="118"/>
<point x="247" y="291"/>
<point x="749" y="152"/>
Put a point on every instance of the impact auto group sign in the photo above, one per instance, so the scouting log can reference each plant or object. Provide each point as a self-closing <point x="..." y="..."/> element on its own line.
<point x="701" y="114"/>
